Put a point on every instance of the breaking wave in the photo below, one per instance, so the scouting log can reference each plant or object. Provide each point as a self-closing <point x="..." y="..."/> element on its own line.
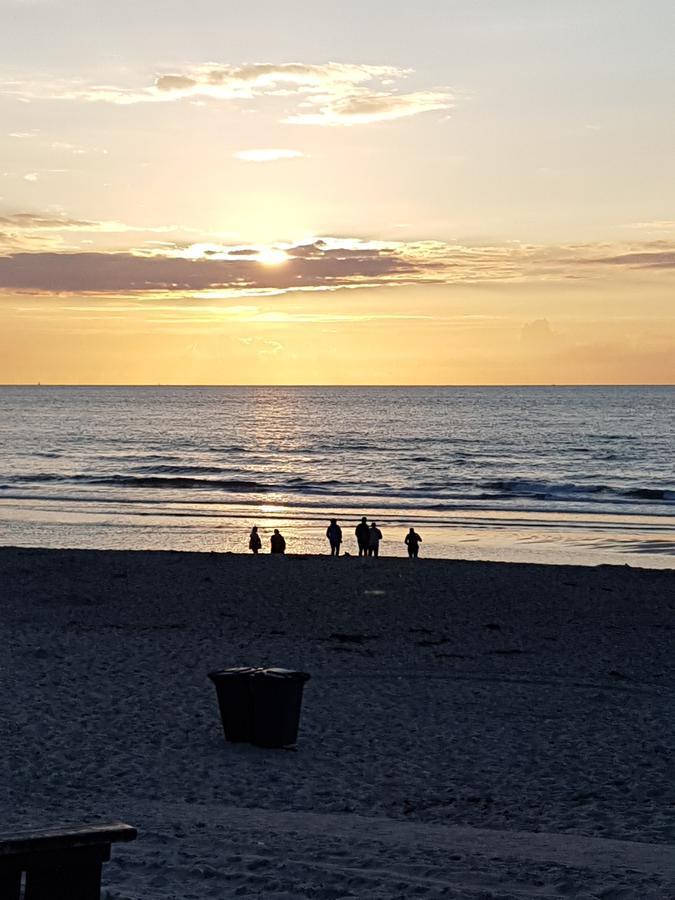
<point x="293" y="487"/>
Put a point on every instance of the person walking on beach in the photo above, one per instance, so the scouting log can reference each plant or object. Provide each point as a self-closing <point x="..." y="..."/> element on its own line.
<point x="362" y="533"/>
<point x="334" y="535"/>
<point x="277" y="542"/>
<point x="413" y="540"/>
<point x="374" y="538"/>
<point x="254" y="542"/>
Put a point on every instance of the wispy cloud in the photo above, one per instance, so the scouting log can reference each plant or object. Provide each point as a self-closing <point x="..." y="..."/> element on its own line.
<point x="324" y="94"/>
<point x="262" y="346"/>
<point x="40" y="222"/>
<point x="30" y="231"/>
<point x="270" y="155"/>
<point x="255" y="79"/>
<point x="657" y="225"/>
<point x="660" y="258"/>
<point x="365" y="107"/>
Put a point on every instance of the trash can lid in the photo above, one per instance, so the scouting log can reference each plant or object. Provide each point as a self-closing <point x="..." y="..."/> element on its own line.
<point x="283" y="673"/>
<point x="251" y="671"/>
<point x="235" y="670"/>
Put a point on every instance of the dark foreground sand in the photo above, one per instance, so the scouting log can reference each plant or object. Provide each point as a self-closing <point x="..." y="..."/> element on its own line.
<point x="471" y="730"/>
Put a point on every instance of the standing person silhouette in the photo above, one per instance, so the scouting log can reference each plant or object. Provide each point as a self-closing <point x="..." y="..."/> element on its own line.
<point x="254" y="542"/>
<point x="334" y="535"/>
<point x="362" y="533"/>
<point x="277" y="542"/>
<point x="374" y="538"/>
<point x="413" y="540"/>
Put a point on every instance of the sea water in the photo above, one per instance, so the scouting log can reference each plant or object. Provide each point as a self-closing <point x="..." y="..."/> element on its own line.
<point x="572" y="474"/>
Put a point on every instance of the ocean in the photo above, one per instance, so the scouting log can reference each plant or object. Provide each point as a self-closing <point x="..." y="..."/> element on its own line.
<point x="545" y="474"/>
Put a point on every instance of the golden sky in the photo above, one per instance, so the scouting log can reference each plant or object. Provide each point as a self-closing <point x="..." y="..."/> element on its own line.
<point x="450" y="194"/>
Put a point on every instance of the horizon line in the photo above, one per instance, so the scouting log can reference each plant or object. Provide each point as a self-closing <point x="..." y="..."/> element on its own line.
<point x="166" y="384"/>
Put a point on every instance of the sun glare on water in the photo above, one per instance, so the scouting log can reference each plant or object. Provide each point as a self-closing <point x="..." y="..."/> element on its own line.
<point x="270" y="256"/>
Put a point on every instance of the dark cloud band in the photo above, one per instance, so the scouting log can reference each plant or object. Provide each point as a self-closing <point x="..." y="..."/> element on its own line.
<point x="122" y="272"/>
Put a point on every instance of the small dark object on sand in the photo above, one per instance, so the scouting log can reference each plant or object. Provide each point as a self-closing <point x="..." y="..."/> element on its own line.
<point x="352" y="638"/>
<point x="584" y="797"/>
<point x="618" y="675"/>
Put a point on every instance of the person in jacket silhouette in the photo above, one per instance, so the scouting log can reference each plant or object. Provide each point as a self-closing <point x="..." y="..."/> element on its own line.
<point x="277" y="542"/>
<point x="374" y="538"/>
<point x="362" y="533"/>
<point x="254" y="542"/>
<point x="413" y="540"/>
<point x="334" y="535"/>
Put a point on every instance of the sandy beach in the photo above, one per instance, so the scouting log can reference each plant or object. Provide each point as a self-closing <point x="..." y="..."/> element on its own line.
<point x="470" y="730"/>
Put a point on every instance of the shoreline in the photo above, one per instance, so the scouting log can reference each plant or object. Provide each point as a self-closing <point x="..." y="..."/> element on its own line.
<point x="423" y="560"/>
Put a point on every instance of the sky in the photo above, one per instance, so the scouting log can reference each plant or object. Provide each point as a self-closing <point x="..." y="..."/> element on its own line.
<point x="444" y="192"/>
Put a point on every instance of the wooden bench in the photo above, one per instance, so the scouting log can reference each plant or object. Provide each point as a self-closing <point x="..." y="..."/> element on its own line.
<point x="61" y="863"/>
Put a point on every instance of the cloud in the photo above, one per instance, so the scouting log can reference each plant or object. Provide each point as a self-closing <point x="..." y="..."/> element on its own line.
<point x="538" y="336"/>
<point x="126" y="272"/>
<point x="324" y="94"/>
<point x="39" y="222"/>
<point x="658" y="225"/>
<point x="28" y="221"/>
<point x="269" y="155"/>
<point x="245" y="82"/>
<point x="67" y="147"/>
<point x="364" y="108"/>
<point x="30" y="231"/>
<point x="263" y="347"/>
<point x="320" y="264"/>
<point x="650" y="259"/>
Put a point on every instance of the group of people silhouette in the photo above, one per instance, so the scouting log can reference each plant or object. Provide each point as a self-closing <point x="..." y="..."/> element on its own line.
<point x="368" y="539"/>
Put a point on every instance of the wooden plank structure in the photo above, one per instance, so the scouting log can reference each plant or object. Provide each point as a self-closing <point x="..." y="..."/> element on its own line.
<point x="59" y="863"/>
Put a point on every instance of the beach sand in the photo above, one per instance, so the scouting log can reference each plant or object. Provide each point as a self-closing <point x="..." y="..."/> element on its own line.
<point x="471" y="730"/>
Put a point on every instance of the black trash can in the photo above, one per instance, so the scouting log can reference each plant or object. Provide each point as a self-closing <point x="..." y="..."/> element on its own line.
<point x="234" y="699"/>
<point x="277" y="700"/>
<point x="260" y="706"/>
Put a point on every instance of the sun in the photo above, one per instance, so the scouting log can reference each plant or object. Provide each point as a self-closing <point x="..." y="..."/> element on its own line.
<point x="271" y="256"/>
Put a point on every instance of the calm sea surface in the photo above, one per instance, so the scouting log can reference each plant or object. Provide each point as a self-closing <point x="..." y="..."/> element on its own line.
<point x="553" y="474"/>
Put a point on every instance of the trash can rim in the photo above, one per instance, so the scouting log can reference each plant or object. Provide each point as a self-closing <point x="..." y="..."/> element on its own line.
<point x="233" y="671"/>
<point x="259" y="672"/>
<point x="290" y="674"/>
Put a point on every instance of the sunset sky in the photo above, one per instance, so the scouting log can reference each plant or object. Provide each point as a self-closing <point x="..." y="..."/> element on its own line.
<point x="439" y="192"/>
